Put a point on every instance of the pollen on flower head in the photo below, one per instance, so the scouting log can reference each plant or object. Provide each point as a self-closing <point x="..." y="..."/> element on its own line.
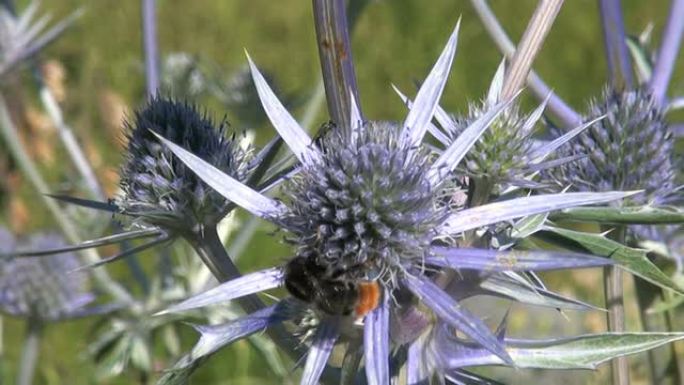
<point x="366" y="208"/>
<point x="157" y="187"/>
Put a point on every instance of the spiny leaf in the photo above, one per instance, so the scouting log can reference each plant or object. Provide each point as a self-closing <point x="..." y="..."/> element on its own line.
<point x="247" y="284"/>
<point x="631" y="259"/>
<point x="586" y="352"/>
<point x="642" y="215"/>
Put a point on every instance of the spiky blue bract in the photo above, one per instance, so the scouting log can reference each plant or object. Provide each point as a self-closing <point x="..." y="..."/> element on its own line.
<point x="288" y="128"/>
<point x="239" y="287"/>
<point x="321" y="347"/>
<point x="214" y="337"/>
<point x="452" y="313"/>
<point x="520" y="207"/>
<point x="159" y="189"/>
<point x="511" y="260"/>
<point x="45" y="288"/>
<point x="376" y="343"/>
<point x="416" y="122"/>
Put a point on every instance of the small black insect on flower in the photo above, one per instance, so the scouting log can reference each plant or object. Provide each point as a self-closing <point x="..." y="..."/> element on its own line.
<point x="161" y="190"/>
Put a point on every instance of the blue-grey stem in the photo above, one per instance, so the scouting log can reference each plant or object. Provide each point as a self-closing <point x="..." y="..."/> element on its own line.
<point x="669" y="48"/>
<point x="9" y="134"/>
<point x="566" y="116"/>
<point x="530" y="44"/>
<point x="617" y="55"/>
<point x="70" y="142"/>
<point x="2" y="349"/>
<point x="149" y="29"/>
<point x="214" y="255"/>
<point x="30" y="352"/>
<point x="614" y="292"/>
<point x="334" y="49"/>
<point x="65" y="132"/>
<point x="660" y="361"/>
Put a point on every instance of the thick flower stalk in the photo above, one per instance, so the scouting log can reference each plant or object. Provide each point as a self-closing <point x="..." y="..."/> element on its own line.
<point x="365" y="213"/>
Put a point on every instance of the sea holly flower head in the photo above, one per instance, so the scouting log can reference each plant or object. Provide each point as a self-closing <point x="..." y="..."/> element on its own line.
<point x="501" y="153"/>
<point x="365" y="206"/>
<point x="160" y="190"/>
<point x="629" y="149"/>
<point x="505" y="152"/>
<point x="366" y="213"/>
<point x="46" y="289"/>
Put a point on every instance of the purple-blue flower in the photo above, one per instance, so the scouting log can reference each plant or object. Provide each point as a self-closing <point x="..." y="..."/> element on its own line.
<point x="45" y="289"/>
<point x="369" y="204"/>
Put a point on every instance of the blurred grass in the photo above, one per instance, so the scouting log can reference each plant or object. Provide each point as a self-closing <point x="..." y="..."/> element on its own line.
<point x="396" y="41"/>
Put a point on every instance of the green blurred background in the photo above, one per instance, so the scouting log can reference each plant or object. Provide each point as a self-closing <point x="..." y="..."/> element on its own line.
<point x="98" y="65"/>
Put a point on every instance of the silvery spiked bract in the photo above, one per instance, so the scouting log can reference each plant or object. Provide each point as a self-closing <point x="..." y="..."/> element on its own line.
<point x="367" y="205"/>
<point x="45" y="289"/>
<point x="506" y="153"/>
<point x="22" y="37"/>
<point x="161" y="191"/>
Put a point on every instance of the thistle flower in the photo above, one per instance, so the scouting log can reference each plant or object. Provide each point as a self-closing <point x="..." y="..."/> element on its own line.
<point x="629" y="149"/>
<point x="163" y="192"/>
<point x="364" y="202"/>
<point x="501" y="153"/>
<point x="506" y="153"/>
<point x="45" y="289"/>
<point x="365" y="212"/>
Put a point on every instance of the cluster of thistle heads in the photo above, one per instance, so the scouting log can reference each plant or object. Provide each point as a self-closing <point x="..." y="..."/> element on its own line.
<point x="384" y="244"/>
<point x="385" y="222"/>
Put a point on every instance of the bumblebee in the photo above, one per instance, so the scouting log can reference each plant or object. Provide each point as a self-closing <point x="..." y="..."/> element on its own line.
<point x="307" y="281"/>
